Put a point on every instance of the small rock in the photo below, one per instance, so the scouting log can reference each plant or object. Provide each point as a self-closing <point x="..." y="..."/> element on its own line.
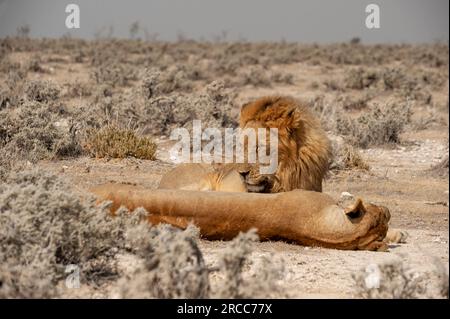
<point x="346" y="195"/>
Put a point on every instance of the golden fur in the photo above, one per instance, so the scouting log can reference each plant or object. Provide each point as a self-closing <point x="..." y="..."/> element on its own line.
<point x="304" y="151"/>
<point x="203" y="177"/>
<point x="304" y="217"/>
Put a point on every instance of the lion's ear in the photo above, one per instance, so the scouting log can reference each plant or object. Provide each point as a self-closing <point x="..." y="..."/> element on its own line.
<point x="290" y="112"/>
<point x="356" y="210"/>
<point x="293" y="118"/>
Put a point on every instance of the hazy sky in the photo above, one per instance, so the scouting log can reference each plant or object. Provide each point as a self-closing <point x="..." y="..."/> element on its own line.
<point x="293" y="20"/>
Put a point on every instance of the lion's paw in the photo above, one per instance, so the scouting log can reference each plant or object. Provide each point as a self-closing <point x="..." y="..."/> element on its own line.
<point x="396" y="236"/>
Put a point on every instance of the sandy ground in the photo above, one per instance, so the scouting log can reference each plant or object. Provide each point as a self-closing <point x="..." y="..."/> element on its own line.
<point x="398" y="178"/>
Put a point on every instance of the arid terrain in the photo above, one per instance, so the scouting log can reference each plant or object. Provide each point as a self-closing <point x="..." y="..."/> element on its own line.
<point x="385" y="107"/>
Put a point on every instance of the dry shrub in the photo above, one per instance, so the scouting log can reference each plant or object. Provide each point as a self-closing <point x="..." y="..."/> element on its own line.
<point x="5" y="98"/>
<point x="173" y="264"/>
<point x="174" y="267"/>
<point x="113" y="73"/>
<point x="12" y="93"/>
<point x="254" y="75"/>
<point x="332" y="85"/>
<point x="441" y="169"/>
<point x="116" y="142"/>
<point x="35" y="65"/>
<point x="262" y="283"/>
<point x="30" y="132"/>
<point x="393" y="280"/>
<point x="360" y="78"/>
<point x="407" y="83"/>
<point x="326" y="111"/>
<point x="431" y="116"/>
<point x="378" y="126"/>
<point x="46" y="226"/>
<point x="41" y="91"/>
<point x="282" y="77"/>
<point x="348" y="157"/>
<point x="213" y="106"/>
<point x="156" y="82"/>
<point x="232" y="261"/>
<point x="350" y="103"/>
<point x="78" y="89"/>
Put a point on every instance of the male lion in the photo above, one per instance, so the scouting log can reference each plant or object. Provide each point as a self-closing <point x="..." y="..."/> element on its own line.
<point x="304" y="152"/>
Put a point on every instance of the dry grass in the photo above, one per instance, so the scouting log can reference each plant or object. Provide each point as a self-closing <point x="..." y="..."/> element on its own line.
<point x="441" y="169"/>
<point x="47" y="226"/>
<point x="394" y="280"/>
<point x="347" y="157"/>
<point x="115" y="142"/>
<point x="42" y="91"/>
<point x="30" y="132"/>
<point x="380" y="125"/>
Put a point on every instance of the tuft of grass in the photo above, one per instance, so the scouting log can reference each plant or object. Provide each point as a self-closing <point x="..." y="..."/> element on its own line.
<point x="115" y="142"/>
<point x="348" y="157"/>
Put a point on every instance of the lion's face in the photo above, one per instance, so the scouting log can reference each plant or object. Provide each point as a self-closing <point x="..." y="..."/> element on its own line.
<point x="304" y="150"/>
<point x="373" y="221"/>
<point x="254" y="180"/>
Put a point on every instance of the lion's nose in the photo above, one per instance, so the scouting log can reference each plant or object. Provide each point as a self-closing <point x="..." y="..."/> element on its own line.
<point x="244" y="175"/>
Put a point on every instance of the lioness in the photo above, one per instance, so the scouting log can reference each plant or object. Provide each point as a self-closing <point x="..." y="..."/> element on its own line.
<point x="304" y="217"/>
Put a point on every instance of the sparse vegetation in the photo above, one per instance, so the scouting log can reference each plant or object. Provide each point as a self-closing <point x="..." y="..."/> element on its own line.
<point x="42" y="91"/>
<point x="31" y="133"/>
<point x="63" y="98"/>
<point x="47" y="226"/>
<point x="394" y="280"/>
<point x="348" y="157"/>
<point x="379" y="125"/>
<point x="441" y="169"/>
<point x="115" y="142"/>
